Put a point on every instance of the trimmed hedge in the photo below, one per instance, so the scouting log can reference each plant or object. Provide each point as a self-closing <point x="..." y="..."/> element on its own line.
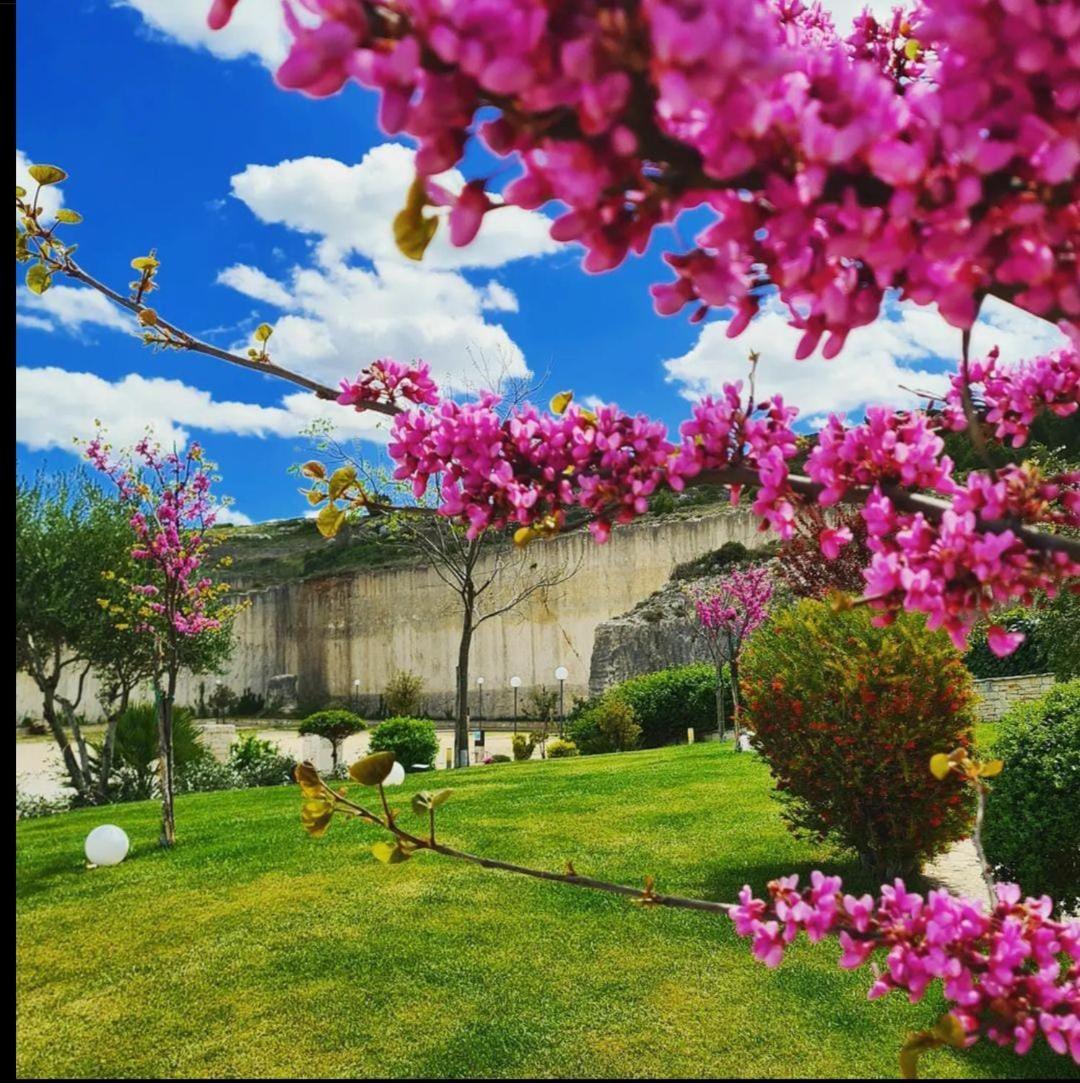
<point x="1032" y="829"/>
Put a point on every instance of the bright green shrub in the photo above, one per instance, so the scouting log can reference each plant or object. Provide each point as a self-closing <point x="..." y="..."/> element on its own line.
<point x="560" y="748"/>
<point x="413" y="741"/>
<point x="1032" y="828"/>
<point x="335" y="726"/>
<point x="847" y="716"/>
<point x="522" y="745"/>
<point x="258" y="762"/>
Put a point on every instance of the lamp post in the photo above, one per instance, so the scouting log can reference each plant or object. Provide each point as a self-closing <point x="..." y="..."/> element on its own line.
<point x="219" y="713"/>
<point x="356" y="695"/>
<point x="480" y="704"/>
<point x="515" y="684"/>
<point x="561" y="673"/>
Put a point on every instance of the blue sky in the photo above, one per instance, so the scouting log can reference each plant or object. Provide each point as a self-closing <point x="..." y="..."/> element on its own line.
<point x="265" y="205"/>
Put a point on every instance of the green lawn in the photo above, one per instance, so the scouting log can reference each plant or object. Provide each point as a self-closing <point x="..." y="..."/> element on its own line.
<point x="252" y="950"/>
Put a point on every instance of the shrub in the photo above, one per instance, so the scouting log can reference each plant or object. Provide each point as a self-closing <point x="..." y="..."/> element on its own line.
<point x="335" y="726"/>
<point x="847" y="716"/>
<point x="260" y="763"/>
<point x="499" y="757"/>
<point x="668" y="702"/>
<point x="523" y="745"/>
<point x="135" y="752"/>
<point x="248" y="704"/>
<point x="208" y="775"/>
<point x="403" y="696"/>
<point x="1029" y="657"/>
<point x="32" y="806"/>
<point x="561" y="748"/>
<point x="1032" y="829"/>
<point x="607" y="725"/>
<point x="412" y="741"/>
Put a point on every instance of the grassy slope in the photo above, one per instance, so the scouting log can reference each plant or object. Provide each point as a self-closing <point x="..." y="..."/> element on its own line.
<point x="253" y="950"/>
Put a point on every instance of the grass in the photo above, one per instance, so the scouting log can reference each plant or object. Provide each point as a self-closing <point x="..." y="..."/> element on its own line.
<point x="252" y="950"/>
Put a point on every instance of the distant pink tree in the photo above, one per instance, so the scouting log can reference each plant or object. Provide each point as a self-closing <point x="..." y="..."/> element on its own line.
<point x="175" y="602"/>
<point x="728" y="610"/>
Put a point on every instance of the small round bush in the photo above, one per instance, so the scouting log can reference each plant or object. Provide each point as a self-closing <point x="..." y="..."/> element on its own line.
<point x="413" y="741"/>
<point x="523" y="745"/>
<point x="847" y="715"/>
<point x="257" y="762"/>
<point x="335" y="726"/>
<point x="561" y="748"/>
<point x="1032" y="828"/>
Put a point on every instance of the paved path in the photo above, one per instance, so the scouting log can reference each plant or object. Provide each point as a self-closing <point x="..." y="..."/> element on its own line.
<point x="957" y="870"/>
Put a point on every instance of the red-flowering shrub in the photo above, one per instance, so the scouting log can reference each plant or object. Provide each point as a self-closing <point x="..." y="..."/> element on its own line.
<point x="847" y="716"/>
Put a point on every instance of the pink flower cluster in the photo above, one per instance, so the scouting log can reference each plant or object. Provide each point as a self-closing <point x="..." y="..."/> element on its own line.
<point x="172" y="510"/>
<point x="887" y="447"/>
<point x="1011" y="398"/>
<point x="936" y="152"/>
<point x="528" y="466"/>
<point x="725" y="432"/>
<point x="390" y="382"/>
<point x="1008" y="975"/>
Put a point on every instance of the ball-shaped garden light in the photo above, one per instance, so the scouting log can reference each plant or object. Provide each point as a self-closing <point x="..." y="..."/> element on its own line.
<point x="106" y="845"/>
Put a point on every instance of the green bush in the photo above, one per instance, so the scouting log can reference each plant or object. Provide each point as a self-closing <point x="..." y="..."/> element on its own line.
<point x="1032" y="829"/>
<point x="542" y="704"/>
<point x="135" y="753"/>
<point x="1029" y="657"/>
<point x="606" y="725"/>
<point x="403" y="696"/>
<point x="847" y="715"/>
<point x="413" y="741"/>
<point x="260" y="763"/>
<point x="208" y="775"/>
<point x="561" y="748"/>
<point x="334" y="726"/>
<point x="523" y="745"/>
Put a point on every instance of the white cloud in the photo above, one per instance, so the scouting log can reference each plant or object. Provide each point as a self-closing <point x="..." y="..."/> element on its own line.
<point x="255" y="283"/>
<point x="227" y="515"/>
<point x="54" y="406"/>
<point x="351" y="208"/>
<point x="255" y="29"/>
<point x="69" y="308"/>
<point x="50" y="198"/>
<point x="900" y="350"/>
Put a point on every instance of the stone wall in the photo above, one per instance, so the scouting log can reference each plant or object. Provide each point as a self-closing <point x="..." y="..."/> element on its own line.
<point x="997" y="694"/>
<point x="333" y="630"/>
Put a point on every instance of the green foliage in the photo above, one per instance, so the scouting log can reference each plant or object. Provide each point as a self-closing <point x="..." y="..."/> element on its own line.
<point x="1029" y="657"/>
<point x="32" y="806"/>
<point x="208" y="775"/>
<point x="542" y="704"/>
<point x="561" y="748"/>
<point x="334" y="725"/>
<point x="249" y="704"/>
<point x="606" y="724"/>
<point x="413" y="741"/>
<point x="522" y="745"/>
<point x="731" y="554"/>
<point x="260" y="763"/>
<point x="404" y="695"/>
<point x="1032" y="828"/>
<point x="847" y="715"/>
<point x="257" y="912"/>
<point x="135" y="753"/>
<point x="666" y="703"/>
<point x="1059" y="626"/>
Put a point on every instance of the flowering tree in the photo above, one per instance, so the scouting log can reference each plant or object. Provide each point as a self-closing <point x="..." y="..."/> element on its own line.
<point x="173" y="602"/>
<point x="727" y="611"/>
<point x="935" y="154"/>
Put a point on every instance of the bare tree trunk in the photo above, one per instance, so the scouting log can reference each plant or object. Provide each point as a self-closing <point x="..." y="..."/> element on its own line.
<point x="79" y="782"/>
<point x="736" y="704"/>
<point x="461" y="727"/>
<point x="165" y="758"/>
<point x="720" y="699"/>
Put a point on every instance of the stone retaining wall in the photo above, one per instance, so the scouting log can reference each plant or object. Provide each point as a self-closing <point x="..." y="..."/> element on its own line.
<point x="997" y="694"/>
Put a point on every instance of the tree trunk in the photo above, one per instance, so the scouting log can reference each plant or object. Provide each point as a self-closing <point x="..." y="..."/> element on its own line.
<point x="735" y="704"/>
<point x="79" y="782"/>
<point x="461" y="727"/>
<point x="720" y="700"/>
<point x="165" y="758"/>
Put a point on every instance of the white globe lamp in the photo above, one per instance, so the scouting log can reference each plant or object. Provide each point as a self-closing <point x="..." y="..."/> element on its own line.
<point x="106" y="845"/>
<point x="396" y="776"/>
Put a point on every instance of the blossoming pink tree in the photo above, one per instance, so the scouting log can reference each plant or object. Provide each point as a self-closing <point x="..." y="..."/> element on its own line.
<point x="175" y="602"/>
<point x="728" y="610"/>
<point x="934" y="154"/>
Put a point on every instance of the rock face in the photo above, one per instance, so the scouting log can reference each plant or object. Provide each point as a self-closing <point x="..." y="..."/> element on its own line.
<point x="655" y="634"/>
<point x="282" y="693"/>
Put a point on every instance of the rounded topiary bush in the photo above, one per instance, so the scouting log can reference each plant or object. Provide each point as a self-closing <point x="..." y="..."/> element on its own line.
<point x="666" y="703"/>
<point x="1032" y="828"/>
<point x="413" y="741"/>
<point x="847" y="715"/>
<point x="335" y="725"/>
<point x="605" y="725"/>
<point x="561" y="748"/>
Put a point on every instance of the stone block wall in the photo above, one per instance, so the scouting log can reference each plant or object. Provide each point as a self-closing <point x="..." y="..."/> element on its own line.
<point x="997" y="694"/>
